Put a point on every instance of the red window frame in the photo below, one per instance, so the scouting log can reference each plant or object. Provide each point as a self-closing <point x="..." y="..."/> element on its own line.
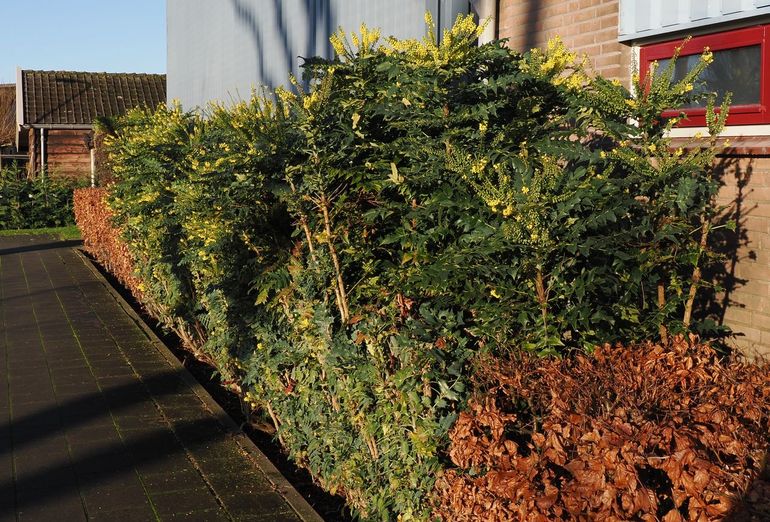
<point x="739" y="114"/>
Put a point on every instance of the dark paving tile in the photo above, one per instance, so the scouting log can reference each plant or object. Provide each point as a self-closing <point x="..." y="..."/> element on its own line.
<point x="153" y="445"/>
<point x="256" y="503"/>
<point x="78" y="370"/>
<point x="34" y="470"/>
<point x="280" y="516"/>
<point x="81" y="389"/>
<point x="104" y="499"/>
<point x="143" y="423"/>
<point x="35" y="428"/>
<point x="231" y="483"/>
<point x="141" y="513"/>
<point x="85" y="407"/>
<point x="182" y="399"/>
<point x="33" y="395"/>
<point x="215" y="450"/>
<point x="69" y="363"/>
<point x="174" y="480"/>
<point x="164" y="382"/>
<point x="115" y="370"/>
<point x="89" y="431"/>
<point x="113" y="461"/>
<point x="7" y="505"/>
<point x="86" y="423"/>
<point x="200" y="433"/>
<point x="45" y="490"/>
<point x="225" y="466"/>
<point x="21" y="410"/>
<point x="94" y="405"/>
<point x="213" y="515"/>
<point x="6" y="475"/>
<point x="123" y="381"/>
<point x="57" y="509"/>
<point x="118" y="398"/>
<point x="141" y="409"/>
<point x="185" y="501"/>
<point x="164" y="463"/>
<point x="192" y="414"/>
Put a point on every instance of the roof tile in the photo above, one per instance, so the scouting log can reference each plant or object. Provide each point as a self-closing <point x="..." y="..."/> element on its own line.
<point x="78" y="98"/>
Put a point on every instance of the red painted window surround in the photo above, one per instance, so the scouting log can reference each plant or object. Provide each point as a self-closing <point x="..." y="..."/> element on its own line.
<point x="739" y="114"/>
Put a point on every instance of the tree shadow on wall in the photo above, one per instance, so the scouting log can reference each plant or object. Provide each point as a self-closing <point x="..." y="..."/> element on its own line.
<point x="732" y="246"/>
<point x="531" y="28"/>
<point x="317" y="15"/>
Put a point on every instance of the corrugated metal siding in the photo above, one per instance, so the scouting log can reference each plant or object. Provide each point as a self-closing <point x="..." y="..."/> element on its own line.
<point x="643" y="19"/>
<point x="221" y="50"/>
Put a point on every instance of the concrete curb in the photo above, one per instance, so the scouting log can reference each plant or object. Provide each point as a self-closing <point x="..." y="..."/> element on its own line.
<point x="303" y="509"/>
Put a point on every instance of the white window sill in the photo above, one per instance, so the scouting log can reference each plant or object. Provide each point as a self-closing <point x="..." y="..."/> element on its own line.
<point x="728" y="132"/>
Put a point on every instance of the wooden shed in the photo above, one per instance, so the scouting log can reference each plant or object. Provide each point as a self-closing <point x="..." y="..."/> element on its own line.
<point x="55" y="111"/>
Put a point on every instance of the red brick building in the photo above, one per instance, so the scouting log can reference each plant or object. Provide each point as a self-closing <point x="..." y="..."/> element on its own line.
<point x="618" y="35"/>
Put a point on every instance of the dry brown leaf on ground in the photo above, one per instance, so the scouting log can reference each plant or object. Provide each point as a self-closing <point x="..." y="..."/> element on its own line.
<point x="646" y="432"/>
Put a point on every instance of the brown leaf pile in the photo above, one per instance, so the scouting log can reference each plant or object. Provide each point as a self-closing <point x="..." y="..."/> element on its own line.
<point x="101" y="239"/>
<point x="645" y="432"/>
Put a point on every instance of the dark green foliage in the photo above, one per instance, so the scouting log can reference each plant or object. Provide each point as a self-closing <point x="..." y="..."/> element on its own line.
<point x="35" y="203"/>
<point x="341" y="254"/>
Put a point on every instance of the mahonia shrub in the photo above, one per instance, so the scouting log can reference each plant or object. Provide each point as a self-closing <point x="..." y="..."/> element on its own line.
<point x="341" y="253"/>
<point x="154" y="150"/>
<point x="667" y="432"/>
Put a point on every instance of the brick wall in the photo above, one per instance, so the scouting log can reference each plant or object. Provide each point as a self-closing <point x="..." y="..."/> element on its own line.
<point x="587" y="26"/>
<point x="746" y="190"/>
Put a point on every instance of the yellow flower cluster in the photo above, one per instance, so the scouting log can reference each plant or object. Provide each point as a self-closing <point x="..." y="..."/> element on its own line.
<point x="479" y="166"/>
<point x="557" y="57"/>
<point x="455" y="42"/>
<point x="363" y="44"/>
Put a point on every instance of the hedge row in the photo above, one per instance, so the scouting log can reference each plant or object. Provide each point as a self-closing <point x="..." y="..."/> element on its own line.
<point x="342" y="254"/>
<point x="34" y="203"/>
<point x="101" y="238"/>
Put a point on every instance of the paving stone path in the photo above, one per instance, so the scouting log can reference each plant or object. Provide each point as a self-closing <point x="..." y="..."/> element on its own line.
<point x="96" y="423"/>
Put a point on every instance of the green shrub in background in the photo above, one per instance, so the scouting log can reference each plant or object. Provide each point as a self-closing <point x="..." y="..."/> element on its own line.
<point x="35" y="203"/>
<point x="341" y="254"/>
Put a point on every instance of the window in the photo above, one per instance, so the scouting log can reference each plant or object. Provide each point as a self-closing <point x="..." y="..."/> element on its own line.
<point x="740" y="66"/>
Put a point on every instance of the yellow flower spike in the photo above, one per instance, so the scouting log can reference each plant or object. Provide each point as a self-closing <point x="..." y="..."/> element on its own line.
<point x="494" y="294"/>
<point x="478" y="166"/>
<point x="338" y="44"/>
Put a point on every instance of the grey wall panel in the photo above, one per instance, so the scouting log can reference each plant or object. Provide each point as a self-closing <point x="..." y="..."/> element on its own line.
<point x="220" y="50"/>
<point x="642" y="20"/>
